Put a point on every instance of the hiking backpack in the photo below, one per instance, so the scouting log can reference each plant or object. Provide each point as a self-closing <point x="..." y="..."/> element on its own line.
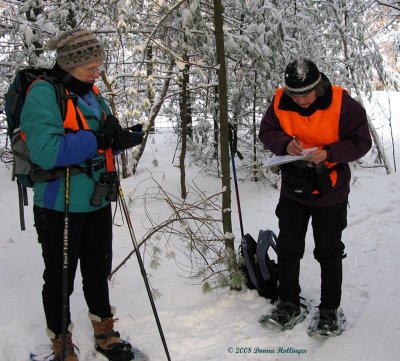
<point x="259" y="269"/>
<point x="14" y="101"/>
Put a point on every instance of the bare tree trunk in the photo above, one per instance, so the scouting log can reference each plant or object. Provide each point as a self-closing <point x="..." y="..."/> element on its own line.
<point x="150" y="94"/>
<point x="224" y="136"/>
<point x="255" y="170"/>
<point x="216" y="125"/>
<point x="183" y="105"/>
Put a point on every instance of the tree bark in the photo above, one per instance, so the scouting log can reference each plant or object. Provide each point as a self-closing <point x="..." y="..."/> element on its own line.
<point x="224" y="131"/>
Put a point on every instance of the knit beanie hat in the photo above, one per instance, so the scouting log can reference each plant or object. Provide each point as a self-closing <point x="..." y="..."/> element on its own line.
<point x="75" y="48"/>
<point x="301" y="76"/>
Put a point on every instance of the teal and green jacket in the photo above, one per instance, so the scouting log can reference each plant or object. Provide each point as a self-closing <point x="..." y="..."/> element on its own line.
<point x="51" y="147"/>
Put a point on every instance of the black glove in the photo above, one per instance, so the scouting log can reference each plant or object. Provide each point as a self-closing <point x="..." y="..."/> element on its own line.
<point x="129" y="137"/>
<point x="110" y="126"/>
<point x="136" y="128"/>
<point x="107" y="131"/>
<point x="104" y="141"/>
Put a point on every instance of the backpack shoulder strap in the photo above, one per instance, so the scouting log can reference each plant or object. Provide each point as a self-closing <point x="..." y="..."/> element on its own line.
<point x="266" y="239"/>
<point x="248" y="249"/>
<point x="61" y="95"/>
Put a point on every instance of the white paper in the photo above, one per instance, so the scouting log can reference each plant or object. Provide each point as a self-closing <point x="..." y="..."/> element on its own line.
<point x="282" y="159"/>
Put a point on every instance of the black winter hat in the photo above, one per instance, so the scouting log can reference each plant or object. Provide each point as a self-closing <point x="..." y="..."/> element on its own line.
<point x="301" y="76"/>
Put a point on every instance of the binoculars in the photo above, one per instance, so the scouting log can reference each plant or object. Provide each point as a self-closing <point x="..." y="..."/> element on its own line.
<point x="106" y="187"/>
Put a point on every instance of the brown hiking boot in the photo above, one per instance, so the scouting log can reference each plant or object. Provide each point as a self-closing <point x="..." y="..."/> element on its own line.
<point x="58" y="347"/>
<point x="108" y="341"/>
<point x="104" y="333"/>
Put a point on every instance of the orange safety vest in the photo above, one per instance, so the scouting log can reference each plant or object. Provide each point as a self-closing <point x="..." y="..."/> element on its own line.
<point x="316" y="130"/>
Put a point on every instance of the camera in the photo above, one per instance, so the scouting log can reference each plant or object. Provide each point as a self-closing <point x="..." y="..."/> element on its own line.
<point x="106" y="187"/>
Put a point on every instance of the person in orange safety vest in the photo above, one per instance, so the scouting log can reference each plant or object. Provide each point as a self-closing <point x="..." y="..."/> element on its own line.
<point x="310" y="113"/>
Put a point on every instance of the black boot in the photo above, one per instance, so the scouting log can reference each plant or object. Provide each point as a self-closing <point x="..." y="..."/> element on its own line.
<point x="285" y="312"/>
<point x="328" y="321"/>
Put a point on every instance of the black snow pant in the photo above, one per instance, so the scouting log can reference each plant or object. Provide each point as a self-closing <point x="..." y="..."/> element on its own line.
<point x="90" y="241"/>
<point x="327" y="224"/>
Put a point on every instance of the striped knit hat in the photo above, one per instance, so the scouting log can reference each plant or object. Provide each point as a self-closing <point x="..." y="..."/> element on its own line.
<point x="301" y="76"/>
<point x="75" y="48"/>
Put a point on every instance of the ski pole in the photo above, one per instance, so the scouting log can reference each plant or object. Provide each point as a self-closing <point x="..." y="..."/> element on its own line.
<point x="233" y="151"/>
<point x="142" y="269"/>
<point x="65" y="300"/>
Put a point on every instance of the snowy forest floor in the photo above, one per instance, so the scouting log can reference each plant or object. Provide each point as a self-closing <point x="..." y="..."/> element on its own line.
<point x="219" y="325"/>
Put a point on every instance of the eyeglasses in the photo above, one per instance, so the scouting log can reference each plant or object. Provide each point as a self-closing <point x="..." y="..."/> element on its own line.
<point x="95" y="71"/>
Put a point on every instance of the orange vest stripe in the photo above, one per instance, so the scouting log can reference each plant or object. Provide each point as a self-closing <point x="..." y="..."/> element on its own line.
<point x="70" y="121"/>
<point x="317" y="130"/>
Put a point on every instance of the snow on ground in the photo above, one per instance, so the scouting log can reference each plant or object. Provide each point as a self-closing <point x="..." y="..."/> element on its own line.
<point x="222" y="325"/>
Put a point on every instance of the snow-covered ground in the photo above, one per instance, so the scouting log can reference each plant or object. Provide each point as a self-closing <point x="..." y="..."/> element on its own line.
<point x="222" y="325"/>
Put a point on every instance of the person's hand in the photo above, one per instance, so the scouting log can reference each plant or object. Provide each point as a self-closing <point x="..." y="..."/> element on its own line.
<point x="110" y="126"/>
<point x="136" y="128"/>
<point x="295" y="147"/>
<point x="128" y="137"/>
<point x="107" y="132"/>
<point x="317" y="156"/>
<point x="104" y="141"/>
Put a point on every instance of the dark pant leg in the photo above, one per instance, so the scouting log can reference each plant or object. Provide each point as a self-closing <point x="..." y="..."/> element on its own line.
<point x="96" y="260"/>
<point x="328" y="224"/>
<point x="50" y="229"/>
<point x="293" y="223"/>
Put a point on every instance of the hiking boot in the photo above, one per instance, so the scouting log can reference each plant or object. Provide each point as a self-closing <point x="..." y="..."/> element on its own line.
<point x="104" y="333"/>
<point x="285" y="312"/>
<point x="328" y="320"/>
<point x="108" y="341"/>
<point x="57" y="342"/>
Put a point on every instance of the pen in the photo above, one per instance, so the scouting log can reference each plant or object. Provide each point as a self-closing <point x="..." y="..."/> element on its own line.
<point x="295" y="139"/>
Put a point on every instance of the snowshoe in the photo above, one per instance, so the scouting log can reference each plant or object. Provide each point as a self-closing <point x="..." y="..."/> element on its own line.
<point x="327" y="323"/>
<point x="41" y="353"/>
<point x="121" y="351"/>
<point x="286" y="315"/>
<point x="45" y="353"/>
<point x="54" y="352"/>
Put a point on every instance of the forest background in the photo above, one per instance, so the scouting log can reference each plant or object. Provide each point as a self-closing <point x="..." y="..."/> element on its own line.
<point x="199" y="66"/>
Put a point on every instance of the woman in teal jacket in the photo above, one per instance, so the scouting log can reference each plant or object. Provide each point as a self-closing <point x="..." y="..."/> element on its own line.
<point x="51" y="145"/>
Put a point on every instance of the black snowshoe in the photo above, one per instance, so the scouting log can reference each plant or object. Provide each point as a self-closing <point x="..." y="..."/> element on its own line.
<point x="286" y="315"/>
<point x="121" y="351"/>
<point x="327" y="322"/>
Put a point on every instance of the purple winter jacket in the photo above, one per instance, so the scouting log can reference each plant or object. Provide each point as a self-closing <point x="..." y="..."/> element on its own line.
<point x="355" y="141"/>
